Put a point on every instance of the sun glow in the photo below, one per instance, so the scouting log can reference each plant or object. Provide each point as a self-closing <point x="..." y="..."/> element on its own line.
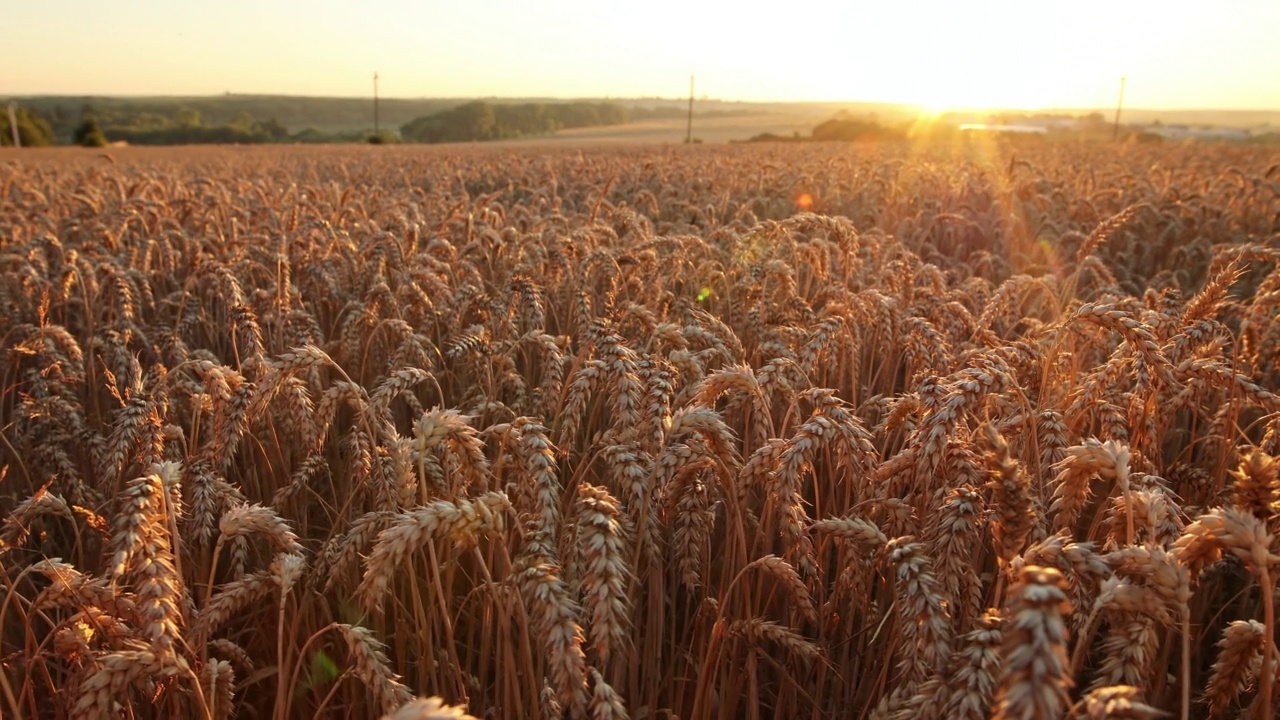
<point x="935" y="53"/>
<point x="982" y="55"/>
<point x="980" y="93"/>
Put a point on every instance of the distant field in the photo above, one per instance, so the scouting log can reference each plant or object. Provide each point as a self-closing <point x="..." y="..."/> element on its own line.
<point x="706" y="129"/>
<point x="606" y="426"/>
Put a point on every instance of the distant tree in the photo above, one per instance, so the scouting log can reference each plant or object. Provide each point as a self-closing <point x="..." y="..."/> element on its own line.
<point x="578" y="114"/>
<point x="482" y="121"/>
<point x="88" y="134"/>
<point x="524" y="119"/>
<point x="612" y="114"/>
<point x="474" y="121"/>
<point x="33" y="130"/>
<point x="310" y="135"/>
<point x="849" y="129"/>
<point x="272" y="129"/>
<point x="419" y="129"/>
<point x="187" y="118"/>
<point x="242" y="122"/>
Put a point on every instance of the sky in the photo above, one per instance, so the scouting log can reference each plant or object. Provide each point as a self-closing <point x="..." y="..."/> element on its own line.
<point x="1211" y="54"/>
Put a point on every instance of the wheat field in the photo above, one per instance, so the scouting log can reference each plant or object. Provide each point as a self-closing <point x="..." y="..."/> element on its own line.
<point x="872" y="431"/>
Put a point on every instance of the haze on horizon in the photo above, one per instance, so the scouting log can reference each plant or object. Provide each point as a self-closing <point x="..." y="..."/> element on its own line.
<point x="938" y="54"/>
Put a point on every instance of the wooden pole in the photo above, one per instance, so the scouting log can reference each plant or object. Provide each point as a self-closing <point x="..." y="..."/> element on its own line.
<point x="688" y="135"/>
<point x="13" y="124"/>
<point x="1115" y="130"/>
<point x="375" y="103"/>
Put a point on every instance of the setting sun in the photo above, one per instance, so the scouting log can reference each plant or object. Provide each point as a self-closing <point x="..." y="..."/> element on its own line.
<point x="1031" y="55"/>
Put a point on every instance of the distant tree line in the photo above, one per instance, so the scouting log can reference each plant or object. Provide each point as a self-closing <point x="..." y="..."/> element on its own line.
<point x="137" y="125"/>
<point x="157" y="123"/>
<point x="244" y="130"/>
<point x="849" y="129"/>
<point x="842" y="128"/>
<point x="331" y="116"/>
<point x="480" y="120"/>
<point x="183" y="126"/>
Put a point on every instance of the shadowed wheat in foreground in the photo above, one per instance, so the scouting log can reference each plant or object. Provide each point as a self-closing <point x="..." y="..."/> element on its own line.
<point x="991" y="432"/>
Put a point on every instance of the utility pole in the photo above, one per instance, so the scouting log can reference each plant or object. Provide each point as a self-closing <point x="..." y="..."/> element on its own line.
<point x="375" y="103"/>
<point x="688" y="135"/>
<point x="13" y="123"/>
<point x="1115" y="130"/>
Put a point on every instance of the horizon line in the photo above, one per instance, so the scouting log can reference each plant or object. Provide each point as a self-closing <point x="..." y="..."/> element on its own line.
<point x="675" y="98"/>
